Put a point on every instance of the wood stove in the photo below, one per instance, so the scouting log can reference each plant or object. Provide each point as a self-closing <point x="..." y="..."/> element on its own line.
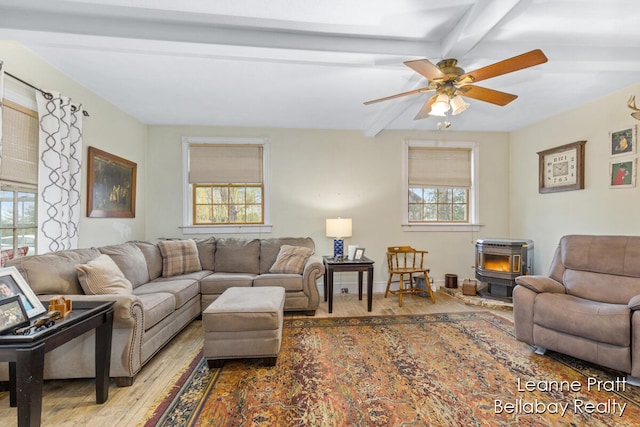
<point x="499" y="262"/>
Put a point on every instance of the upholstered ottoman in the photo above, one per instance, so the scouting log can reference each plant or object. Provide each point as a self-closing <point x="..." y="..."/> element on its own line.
<point x="244" y="323"/>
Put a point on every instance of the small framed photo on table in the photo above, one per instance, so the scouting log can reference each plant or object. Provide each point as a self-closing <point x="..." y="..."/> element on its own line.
<point x="12" y="314"/>
<point x="13" y="284"/>
<point x="358" y="254"/>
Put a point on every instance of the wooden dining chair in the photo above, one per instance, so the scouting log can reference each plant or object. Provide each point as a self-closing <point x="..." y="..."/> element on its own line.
<point x="407" y="263"/>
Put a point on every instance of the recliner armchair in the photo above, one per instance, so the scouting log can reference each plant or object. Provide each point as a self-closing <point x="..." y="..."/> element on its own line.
<point x="588" y="306"/>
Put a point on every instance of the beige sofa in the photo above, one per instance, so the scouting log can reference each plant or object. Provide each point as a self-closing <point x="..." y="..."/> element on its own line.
<point x="587" y="306"/>
<point x="159" y="307"/>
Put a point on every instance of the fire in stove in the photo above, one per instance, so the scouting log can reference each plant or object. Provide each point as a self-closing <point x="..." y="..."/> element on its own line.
<point x="500" y="261"/>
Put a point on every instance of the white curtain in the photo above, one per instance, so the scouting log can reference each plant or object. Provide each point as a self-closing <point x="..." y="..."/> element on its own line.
<point x="59" y="179"/>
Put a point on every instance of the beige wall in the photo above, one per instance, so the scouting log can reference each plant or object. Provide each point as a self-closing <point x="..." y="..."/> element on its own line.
<point x="108" y="129"/>
<point x="319" y="174"/>
<point x="598" y="209"/>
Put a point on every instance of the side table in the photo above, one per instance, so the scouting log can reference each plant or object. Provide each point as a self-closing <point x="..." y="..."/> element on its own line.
<point x="331" y="265"/>
<point x="25" y="354"/>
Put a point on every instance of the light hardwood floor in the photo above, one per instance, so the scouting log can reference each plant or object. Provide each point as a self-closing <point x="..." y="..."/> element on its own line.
<point x="72" y="402"/>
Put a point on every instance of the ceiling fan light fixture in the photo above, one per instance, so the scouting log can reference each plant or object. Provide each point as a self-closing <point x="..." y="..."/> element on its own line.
<point x="440" y="106"/>
<point x="458" y="105"/>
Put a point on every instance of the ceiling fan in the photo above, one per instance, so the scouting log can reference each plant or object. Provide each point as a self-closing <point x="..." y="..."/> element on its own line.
<point x="451" y="83"/>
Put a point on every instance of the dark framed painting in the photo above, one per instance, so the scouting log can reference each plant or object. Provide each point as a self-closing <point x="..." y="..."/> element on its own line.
<point x="111" y="186"/>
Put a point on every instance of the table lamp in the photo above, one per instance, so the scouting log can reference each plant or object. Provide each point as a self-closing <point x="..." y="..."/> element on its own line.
<point x="338" y="228"/>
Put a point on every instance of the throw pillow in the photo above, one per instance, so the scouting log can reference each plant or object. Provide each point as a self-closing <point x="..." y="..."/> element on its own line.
<point x="103" y="276"/>
<point x="179" y="257"/>
<point x="291" y="259"/>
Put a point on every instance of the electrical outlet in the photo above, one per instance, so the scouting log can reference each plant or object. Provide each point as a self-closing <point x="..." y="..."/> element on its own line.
<point x="344" y="290"/>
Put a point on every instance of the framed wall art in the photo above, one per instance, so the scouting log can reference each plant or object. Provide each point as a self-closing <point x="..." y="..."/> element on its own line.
<point x="622" y="173"/>
<point x="561" y="168"/>
<point x="623" y="142"/>
<point x="13" y="284"/>
<point x="111" y="186"/>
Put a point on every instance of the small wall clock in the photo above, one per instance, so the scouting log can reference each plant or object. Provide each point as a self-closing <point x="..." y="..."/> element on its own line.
<point x="561" y="168"/>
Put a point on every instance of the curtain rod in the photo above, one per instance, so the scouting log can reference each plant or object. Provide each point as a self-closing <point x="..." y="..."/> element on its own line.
<point x="44" y="93"/>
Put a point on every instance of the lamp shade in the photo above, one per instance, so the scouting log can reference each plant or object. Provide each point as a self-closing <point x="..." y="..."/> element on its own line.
<point x="458" y="105"/>
<point x="339" y="227"/>
<point x="441" y="106"/>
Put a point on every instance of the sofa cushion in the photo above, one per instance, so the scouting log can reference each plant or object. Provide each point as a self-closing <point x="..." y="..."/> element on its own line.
<point x="291" y="259"/>
<point x="206" y="252"/>
<point x="597" y="321"/>
<point x="102" y="276"/>
<point x="269" y="249"/>
<point x="290" y="282"/>
<point x="130" y="260"/>
<point x="607" y="288"/>
<point x="602" y="254"/>
<point x="179" y="257"/>
<point x="156" y="306"/>
<point x="217" y="283"/>
<point x="182" y="289"/>
<point x="152" y="255"/>
<point x="54" y="273"/>
<point x="237" y="256"/>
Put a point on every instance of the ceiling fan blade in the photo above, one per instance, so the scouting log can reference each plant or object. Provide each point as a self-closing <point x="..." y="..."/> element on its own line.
<point x="515" y="63"/>
<point x="398" y="95"/>
<point x="487" y="95"/>
<point x="425" y="68"/>
<point x="426" y="108"/>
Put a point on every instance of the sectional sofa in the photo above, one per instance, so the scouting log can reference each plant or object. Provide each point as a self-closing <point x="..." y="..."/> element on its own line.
<point x="159" y="287"/>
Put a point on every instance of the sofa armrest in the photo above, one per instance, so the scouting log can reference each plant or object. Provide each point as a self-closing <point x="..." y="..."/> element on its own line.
<point x="540" y="284"/>
<point x="313" y="270"/>
<point x="634" y="303"/>
<point x="127" y="310"/>
<point x="128" y="330"/>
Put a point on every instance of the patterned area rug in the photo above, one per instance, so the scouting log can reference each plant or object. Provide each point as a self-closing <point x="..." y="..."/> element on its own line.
<point x="423" y="370"/>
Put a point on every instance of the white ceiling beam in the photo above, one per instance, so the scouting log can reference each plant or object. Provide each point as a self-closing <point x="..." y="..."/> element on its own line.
<point x="479" y="20"/>
<point x="192" y="28"/>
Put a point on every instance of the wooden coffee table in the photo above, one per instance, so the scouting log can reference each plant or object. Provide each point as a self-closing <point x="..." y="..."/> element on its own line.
<point x="25" y="354"/>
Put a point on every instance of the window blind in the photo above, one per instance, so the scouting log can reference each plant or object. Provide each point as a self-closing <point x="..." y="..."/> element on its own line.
<point x="440" y="167"/>
<point x="19" y="162"/>
<point x="225" y="164"/>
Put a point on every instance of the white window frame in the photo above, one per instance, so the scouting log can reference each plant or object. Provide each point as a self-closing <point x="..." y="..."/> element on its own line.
<point x="474" y="191"/>
<point x="187" y="193"/>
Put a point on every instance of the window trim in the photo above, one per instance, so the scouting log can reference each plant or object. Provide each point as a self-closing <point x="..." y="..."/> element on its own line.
<point x="187" y="189"/>
<point x="474" y="191"/>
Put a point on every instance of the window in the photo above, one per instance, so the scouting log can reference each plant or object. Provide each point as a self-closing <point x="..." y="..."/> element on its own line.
<point x="227" y="204"/>
<point x="226" y="185"/>
<point x="18" y="178"/>
<point x="439" y="190"/>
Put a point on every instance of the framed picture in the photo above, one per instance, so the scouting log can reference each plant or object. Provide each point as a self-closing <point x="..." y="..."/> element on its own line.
<point x="111" y="186"/>
<point x="12" y="284"/>
<point x="12" y="314"/>
<point x="561" y="168"/>
<point x="622" y="173"/>
<point x="623" y="142"/>
<point x="358" y="254"/>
